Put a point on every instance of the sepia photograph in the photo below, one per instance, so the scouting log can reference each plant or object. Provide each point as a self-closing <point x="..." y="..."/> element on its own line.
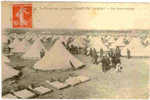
<point x="60" y="50"/>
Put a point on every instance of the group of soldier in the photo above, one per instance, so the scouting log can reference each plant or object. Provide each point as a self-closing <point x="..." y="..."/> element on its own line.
<point x="110" y="59"/>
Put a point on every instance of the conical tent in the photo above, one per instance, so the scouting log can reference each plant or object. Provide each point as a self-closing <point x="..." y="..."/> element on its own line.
<point x="119" y="42"/>
<point x="78" y="42"/>
<point x="136" y="48"/>
<point x="128" y="38"/>
<point x="28" y="35"/>
<point x="107" y="37"/>
<point x="21" y="46"/>
<point x="5" y="59"/>
<point x="34" y="37"/>
<point x="26" y="44"/>
<point x="14" y="43"/>
<point x="111" y="40"/>
<point x="58" y="58"/>
<point x="97" y="44"/>
<point x="64" y="39"/>
<point x="8" y="72"/>
<point x="34" y="51"/>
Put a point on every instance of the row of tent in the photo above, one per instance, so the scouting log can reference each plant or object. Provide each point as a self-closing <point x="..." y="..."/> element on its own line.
<point x="48" y="62"/>
<point x="135" y="46"/>
<point x="58" y="57"/>
<point x="110" y="39"/>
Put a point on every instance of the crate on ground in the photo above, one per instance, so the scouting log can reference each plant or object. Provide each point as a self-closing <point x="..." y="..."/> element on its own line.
<point x="58" y="85"/>
<point x="24" y="94"/>
<point x="42" y="90"/>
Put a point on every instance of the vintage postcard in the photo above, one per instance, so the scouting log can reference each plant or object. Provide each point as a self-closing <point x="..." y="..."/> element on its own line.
<point x="74" y="50"/>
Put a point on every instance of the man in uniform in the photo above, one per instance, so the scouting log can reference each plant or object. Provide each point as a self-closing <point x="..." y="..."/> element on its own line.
<point x="128" y="53"/>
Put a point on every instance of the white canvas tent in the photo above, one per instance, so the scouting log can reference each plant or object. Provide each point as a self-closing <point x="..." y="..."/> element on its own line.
<point x="34" y="37"/>
<point x="14" y="43"/>
<point x="8" y="72"/>
<point x="107" y="37"/>
<point x="111" y="40"/>
<point x="28" y="35"/>
<point x="34" y="51"/>
<point x="136" y="48"/>
<point x="96" y="43"/>
<point x="64" y="39"/>
<point x="58" y="58"/>
<point x="21" y="47"/>
<point x="26" y="43"/>
<point x="128" y="38"/>
<point x="78" y="42"/>
<point x="119" y="42"/>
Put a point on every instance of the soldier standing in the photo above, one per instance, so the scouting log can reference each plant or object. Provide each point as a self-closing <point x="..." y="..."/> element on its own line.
<point x="101" y="52"/>
<point x="128" y="53"/>
<point x="42" y="53"/>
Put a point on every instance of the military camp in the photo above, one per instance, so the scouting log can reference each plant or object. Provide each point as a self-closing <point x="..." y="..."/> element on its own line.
<point x="75" y="64"/>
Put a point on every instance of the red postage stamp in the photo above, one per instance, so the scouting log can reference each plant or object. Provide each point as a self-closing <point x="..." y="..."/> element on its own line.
<point x="22" y="16"/>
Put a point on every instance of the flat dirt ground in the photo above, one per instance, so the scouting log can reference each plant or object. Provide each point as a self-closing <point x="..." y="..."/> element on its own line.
<point x="132" y="82"/>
